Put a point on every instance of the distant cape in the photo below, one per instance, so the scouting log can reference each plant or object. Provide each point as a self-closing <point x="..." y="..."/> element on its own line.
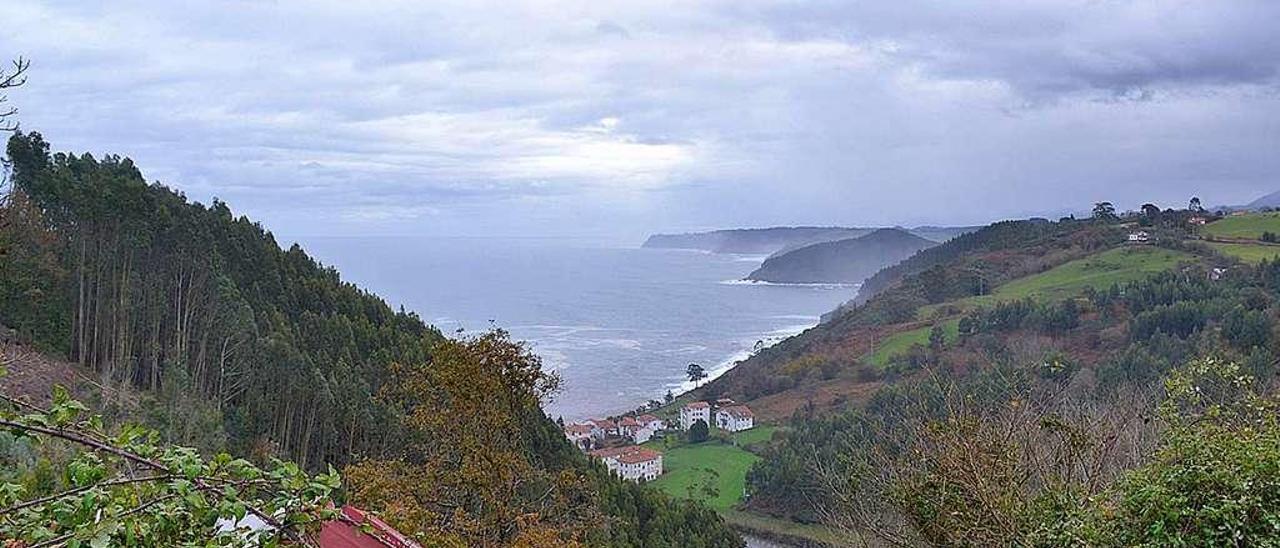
<point x="780" y="239"/>
<point x="849" y="260"/>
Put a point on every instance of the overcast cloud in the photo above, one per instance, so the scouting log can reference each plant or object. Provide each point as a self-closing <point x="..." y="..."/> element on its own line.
<point x="617" y="119"/>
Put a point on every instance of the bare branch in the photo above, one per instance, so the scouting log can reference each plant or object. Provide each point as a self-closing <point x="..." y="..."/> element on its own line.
<point x="12" y="78"/>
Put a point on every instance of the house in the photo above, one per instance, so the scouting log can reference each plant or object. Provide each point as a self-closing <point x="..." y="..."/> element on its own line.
<point x="1139" y="237"/>
<point x="735" y="418"/>
<point x="1217" y="273"/>
<point x="580" y="434"/>
<point x="694" y="412"/>
<point x="606" y="428"/>
<point x="632" y="462"/>
<point x="642" y="434"/>
<point x="1198" y="221"/>
<point x="627" y="427"/>
<point x="651" y="422"/>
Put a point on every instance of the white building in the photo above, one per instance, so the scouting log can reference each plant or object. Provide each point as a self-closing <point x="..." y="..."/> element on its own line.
<point x="642" y="434"/>
<point x="694" y="412"/>
<point x="631" y="462"/>
<point x="651" y="422"/>
<point x="1139" y="237"/>
<point x="627" y="427"/>
<point x="735" y="418"/>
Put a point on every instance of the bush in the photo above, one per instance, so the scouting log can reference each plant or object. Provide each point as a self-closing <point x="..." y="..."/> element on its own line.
<point x="699" y="432"/>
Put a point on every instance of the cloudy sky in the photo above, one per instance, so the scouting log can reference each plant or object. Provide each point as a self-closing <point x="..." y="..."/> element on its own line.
<point x="613" y="119"/>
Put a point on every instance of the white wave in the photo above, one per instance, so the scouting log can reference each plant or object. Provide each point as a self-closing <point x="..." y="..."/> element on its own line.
<point x="785" y="284"/>
<point x="768" y="339"/>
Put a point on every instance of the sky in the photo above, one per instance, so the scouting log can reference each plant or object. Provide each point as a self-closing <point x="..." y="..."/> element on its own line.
<point x="616" y="119"/>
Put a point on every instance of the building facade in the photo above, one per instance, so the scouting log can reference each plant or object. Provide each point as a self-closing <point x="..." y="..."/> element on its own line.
<point x="631" y="463"/>
<point x="694" y="412"/>
<point x="735" y="418"/>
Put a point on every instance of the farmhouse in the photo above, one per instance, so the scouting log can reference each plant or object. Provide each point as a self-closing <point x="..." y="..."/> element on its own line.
<point x="1139" y="237"/>
<point x="694" y="412"/>
<point x="1198" y="221"/>
<point x="632" y="462"/>
<point x="735" y="418"/>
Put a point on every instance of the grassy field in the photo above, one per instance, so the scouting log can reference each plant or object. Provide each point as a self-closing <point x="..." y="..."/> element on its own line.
<point x="902" y="342"/>
<point x="1098" y="271"/>
<point x="1244" y="226"/>
<point x="693" y="466"/>
<point x="1249" y="253"/>
<point x="755" y="435"/>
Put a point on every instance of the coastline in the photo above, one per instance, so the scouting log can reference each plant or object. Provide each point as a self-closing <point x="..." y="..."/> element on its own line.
<point x="724" y="366"/>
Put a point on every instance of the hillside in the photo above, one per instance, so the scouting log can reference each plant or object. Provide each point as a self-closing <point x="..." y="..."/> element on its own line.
<point x="961" y="378"/>
<point x="223" y="342"/>
<point x="842" y="261"/>
<point x="1270" y="200"/>
<point x="1243" y="227"/>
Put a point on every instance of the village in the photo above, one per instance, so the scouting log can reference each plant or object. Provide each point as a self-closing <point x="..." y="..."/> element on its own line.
<point x="619" y="443"/>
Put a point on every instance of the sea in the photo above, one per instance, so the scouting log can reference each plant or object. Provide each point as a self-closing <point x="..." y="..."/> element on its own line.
<point x="618" y="323"/>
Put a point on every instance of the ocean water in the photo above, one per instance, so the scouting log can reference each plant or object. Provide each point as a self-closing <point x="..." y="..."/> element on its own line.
<point x="619" y="324"/>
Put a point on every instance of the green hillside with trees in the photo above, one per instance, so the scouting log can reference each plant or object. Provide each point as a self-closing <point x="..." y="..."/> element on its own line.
<point x="198" y="325"/>
<point x="1092" y="391"/>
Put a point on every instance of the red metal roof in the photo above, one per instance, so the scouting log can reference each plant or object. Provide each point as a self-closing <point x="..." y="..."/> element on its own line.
<point x="345" y="532"/>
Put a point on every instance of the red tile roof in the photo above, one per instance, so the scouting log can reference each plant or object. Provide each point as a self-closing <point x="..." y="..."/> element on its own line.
<point x="737" y="411"/>
<point x="578" y="428"/>
<point x="639" y="455"/>
<point x="646" y="419"/>
<point x="610" y="452"/>
<point x="698" y="405"/>
<point x="604" y="424"/>
<point x="628" y="421"/>
<point x="626" y="454"/>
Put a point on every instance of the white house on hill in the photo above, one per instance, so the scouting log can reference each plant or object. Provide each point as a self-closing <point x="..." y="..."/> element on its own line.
<point x="631" y="463"/>
<point x="694" y="412"/>
<point x="735" y="418"/>
<point x="1139" y="237"/>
